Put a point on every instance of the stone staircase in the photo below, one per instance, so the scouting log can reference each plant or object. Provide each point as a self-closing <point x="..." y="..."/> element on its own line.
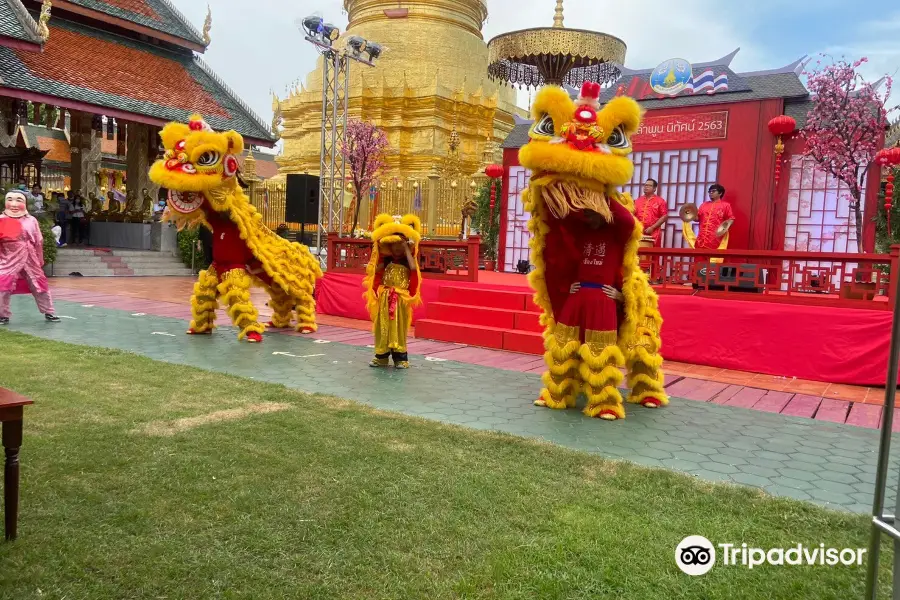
<point x="91" y="262"/>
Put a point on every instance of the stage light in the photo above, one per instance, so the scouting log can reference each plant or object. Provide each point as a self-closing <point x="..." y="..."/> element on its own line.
<point x="373" y="50"/>
<point x="317" y="28"/>
<point x="356" y="44"/>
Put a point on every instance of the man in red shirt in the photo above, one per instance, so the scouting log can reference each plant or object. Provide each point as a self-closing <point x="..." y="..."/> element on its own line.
<point x="652" y="211"/>
<point x="713" y="216"/>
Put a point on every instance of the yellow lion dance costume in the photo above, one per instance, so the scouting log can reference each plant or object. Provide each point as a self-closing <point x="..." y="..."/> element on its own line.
<point x="392" y="285"/>
<point x="200" y="169"/>
<point x="599" y="311"/>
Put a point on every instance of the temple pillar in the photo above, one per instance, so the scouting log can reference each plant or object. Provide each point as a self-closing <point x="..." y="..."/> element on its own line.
<point x="138" y="156"/>
<point x="86" y="154"/>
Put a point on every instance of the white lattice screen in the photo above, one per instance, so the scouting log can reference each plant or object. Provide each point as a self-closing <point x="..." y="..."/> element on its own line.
<point x="818" y="211"/>
<point x="517" y="234"/>
<point x="684" y="176"/>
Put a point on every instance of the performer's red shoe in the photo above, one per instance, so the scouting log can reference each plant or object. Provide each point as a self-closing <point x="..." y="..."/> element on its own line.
<point x="608" y="415"/>
<point x="254" y="338"/>
<point x="650" y="403"/>
<point x="192" y="332"/>
<point x="306" y="330"/>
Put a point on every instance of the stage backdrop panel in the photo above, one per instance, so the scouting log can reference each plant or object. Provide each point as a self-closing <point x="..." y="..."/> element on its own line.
<point x="131" y="236"/>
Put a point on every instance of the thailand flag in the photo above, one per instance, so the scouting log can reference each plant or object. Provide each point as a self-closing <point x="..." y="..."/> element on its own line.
<point x="266" y="197"/>
<point x="703" y="81"/>
<point x="721" y="83"/>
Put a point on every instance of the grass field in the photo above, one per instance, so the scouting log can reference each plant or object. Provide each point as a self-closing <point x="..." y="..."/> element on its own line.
<point x="143" y="480"/>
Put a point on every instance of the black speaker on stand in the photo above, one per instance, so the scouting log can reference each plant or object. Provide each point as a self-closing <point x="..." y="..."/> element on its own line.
<point x="302" y="205"/>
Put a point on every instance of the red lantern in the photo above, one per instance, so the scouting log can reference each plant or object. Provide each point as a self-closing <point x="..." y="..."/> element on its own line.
<point x="493" y="171"/>
<point x="780" y="126"/>
<point x="888" y="158"/>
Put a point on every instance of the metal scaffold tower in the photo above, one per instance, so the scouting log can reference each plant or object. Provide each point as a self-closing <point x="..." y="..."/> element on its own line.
<point x="335" y="88"/>
<point x="333" y="170"/>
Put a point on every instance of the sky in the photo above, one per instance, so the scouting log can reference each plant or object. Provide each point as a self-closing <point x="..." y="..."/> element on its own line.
<point x="259" y="49"/>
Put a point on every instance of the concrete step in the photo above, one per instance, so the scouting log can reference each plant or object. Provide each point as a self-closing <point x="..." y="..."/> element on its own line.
<point x="118" y="263"/>
<point x="132" y="273"/>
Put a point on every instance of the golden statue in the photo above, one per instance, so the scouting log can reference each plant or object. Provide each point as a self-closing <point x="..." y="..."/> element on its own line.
<point x="114" y="210"/>
<point x="207" y="25"/>
<point x="44" y="19"/>
<point x="434" y="66"/>
<point x="96" y="205"/>
<point x="468" y="211"/>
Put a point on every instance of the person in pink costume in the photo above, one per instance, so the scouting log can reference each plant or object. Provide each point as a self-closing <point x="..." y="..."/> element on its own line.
<point x="22" y="257"/>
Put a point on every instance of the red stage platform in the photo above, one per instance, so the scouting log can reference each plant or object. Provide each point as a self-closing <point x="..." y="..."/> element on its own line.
<point x="818" y="343"/>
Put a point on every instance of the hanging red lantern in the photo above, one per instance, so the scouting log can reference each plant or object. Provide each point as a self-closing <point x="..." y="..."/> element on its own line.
<point x="888" y="158"/>
<point x="494" y="171"/>
<point x="780" y="126"/>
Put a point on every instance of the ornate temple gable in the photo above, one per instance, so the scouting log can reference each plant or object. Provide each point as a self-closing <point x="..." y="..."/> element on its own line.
<point x="713" y="82"/>
<point x="17" y="25"/>
<point x="140" y="16"/>
<point x="783" y="82"/>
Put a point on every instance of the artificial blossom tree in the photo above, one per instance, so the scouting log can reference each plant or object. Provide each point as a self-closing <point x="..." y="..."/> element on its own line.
<point x="363" y="147"/>
<point x="845" y="128"/>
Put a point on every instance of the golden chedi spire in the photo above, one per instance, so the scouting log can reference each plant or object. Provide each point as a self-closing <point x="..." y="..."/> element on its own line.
<point x="432" y="64"/>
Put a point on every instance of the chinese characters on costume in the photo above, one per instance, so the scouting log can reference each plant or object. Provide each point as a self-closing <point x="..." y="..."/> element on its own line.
<point x="599" y="310"/>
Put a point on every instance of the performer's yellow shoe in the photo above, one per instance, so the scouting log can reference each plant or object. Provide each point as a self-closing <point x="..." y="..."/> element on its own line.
<point x="402" y="365"/>
<point x="379" y="362"/>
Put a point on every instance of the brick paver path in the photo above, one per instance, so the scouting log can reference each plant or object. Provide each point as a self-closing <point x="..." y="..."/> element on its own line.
<point x="827" y="463"/>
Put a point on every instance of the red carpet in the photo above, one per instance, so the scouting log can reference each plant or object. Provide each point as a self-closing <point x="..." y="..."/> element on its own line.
<point x="835" y="345"/>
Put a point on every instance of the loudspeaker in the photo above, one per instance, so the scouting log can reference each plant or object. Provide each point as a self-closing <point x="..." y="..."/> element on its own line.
<point x="728" y="275"/>
<point x="302" y="199"/>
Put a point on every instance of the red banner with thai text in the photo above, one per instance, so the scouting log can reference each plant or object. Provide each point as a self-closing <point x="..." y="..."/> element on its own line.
<point x="682" y="128"/>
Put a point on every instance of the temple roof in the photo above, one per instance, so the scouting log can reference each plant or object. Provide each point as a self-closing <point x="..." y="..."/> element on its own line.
<point x="159" y="15"/>
<point x="16" y="22"/>
<point x="126" y="79"/>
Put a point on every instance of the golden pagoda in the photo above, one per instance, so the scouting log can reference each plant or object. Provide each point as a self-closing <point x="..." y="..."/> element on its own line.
<point x="429" y="86"/>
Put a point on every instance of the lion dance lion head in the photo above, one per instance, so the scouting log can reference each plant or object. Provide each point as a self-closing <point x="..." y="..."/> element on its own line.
<point x="579" y="153"/>
<point x="200" y="169"/>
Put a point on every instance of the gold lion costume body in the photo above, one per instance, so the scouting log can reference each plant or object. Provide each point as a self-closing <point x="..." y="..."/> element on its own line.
<point x="200" y="169"/>
<point x="599" y="311"/>
<point x="392" y="285"/>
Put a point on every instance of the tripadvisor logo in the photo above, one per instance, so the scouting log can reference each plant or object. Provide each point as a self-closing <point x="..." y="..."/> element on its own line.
<point x="696" y="555"/>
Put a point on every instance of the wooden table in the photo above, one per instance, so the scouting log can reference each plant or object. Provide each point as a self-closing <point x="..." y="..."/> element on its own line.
<point x="11" y="410"/>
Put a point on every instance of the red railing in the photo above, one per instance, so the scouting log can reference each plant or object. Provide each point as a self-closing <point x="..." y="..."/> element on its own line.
<point x="438" y="259"/>
<point x="822" y="278"/>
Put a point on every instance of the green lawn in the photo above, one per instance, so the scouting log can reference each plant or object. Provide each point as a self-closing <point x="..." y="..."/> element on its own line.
<point x="321" y="498"/>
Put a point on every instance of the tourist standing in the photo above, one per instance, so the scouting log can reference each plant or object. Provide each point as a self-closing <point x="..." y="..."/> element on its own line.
<point x="64" y="215"/>
<point x="22" y="257"/>
<point x="78" y="221"/>
<point x="38" y="202"/>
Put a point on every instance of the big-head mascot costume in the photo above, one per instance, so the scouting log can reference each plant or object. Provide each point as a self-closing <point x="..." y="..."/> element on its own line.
<point x="599" y="311"/>
<point x="200" y="170"/>
<point x="392" y="285"/>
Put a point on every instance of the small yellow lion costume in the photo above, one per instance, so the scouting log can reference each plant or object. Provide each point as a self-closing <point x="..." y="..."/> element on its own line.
<point x="585" y="248"/>
<point x="200" y="169"/>
<point x="392" y="285"/>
